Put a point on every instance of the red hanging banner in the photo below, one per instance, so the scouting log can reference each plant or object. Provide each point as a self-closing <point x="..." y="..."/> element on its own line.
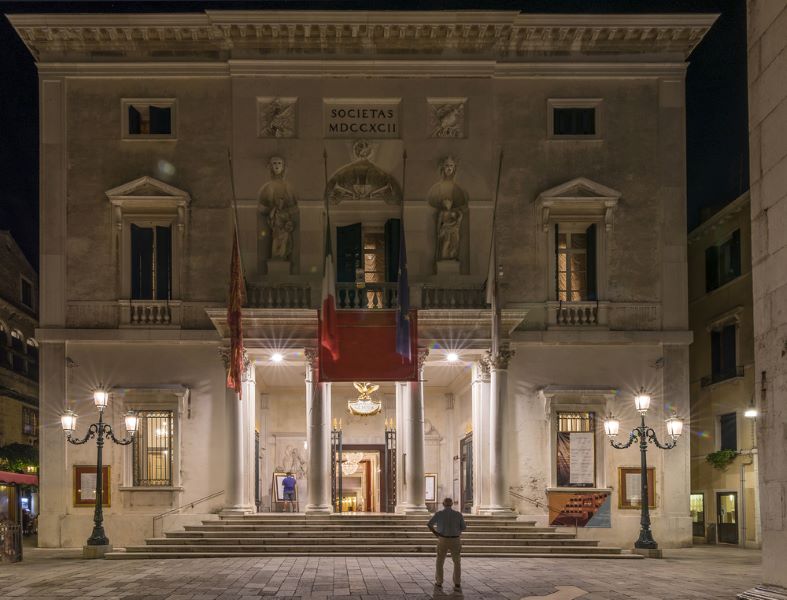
<point x="367" y="348"/>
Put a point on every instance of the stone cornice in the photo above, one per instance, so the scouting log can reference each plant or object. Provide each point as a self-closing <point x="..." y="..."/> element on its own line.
<point x="493" y="35"/>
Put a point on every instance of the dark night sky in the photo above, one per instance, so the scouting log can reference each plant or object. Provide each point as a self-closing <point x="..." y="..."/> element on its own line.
<point x="717" y="130"/>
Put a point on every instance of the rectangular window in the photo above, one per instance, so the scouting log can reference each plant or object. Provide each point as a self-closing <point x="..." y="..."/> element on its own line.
<point x="576" y="449"/>
<point x="26" y="293"/>
<point x="148" y="119"/>
<point x="575" y="251"/>
<point x="152" y="455"/>
<point x="574" y="121"/>
<point x="723" y="262"/>
<point x="724" y="354"/>
<point x="151" y="262"/>
<point x="697" y="509"/>
<point x="29" y="421"/>
<point x="728" y="432"/>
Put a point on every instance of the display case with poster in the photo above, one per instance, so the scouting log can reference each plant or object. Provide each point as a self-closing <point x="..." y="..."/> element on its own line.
<point x="85" y="485"/>
<point x="630" y="487"/>
<point x="430" y="491"/>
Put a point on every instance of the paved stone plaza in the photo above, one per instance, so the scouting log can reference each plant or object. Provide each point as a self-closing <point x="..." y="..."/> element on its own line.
<point x="685" y="573"/>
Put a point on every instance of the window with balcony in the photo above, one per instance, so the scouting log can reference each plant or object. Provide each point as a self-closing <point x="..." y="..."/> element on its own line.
<point x="151" y="262"/>
<point x="723" y="262"/>
<point x="367" y="265"/>
<point x="575" y="257"/>
<point x="152" y="457"/>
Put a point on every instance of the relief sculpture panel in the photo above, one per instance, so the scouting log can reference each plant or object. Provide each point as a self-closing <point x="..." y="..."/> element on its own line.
<point x="278" y="204"/>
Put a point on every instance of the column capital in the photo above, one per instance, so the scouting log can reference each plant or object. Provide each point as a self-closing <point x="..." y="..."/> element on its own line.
<point x="499" y="361"/>
<point x="311" y="356"/>
<point x="422" y="354"/>
<point x="224" y="353"/>
<point x="483" y="368"/>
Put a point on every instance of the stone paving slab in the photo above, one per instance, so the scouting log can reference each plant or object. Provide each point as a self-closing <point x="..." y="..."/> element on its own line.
<point x="703" y="572"/>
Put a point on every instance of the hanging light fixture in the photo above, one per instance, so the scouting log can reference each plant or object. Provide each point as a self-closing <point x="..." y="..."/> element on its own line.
<point x="351" y="462"/>
<point x="365" y="405"/>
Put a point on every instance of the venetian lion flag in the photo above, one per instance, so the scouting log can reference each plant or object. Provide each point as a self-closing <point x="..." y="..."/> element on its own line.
<point x="329" y="335"/>
<point x="234" y="313"/>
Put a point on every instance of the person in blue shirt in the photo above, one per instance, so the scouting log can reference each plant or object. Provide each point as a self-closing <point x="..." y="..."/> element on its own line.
<point x="448" y="525"/>
<point x="288" y="485"/>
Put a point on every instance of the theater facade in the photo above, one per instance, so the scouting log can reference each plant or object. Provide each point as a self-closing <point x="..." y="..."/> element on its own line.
<point x="157" y="128"/>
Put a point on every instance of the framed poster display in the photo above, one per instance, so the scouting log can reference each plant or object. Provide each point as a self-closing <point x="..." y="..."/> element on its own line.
<point x="430" y="487"/>
<point x="85" y="485"/>
<point x="278" y="487"/>
<point x="629" y="487"/>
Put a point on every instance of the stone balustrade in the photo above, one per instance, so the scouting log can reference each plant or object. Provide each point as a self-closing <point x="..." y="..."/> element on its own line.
<point x="149" y="313"/>
<point x="452" y="297"/>
<point x="279" y="296"/>
<point x="371" y="296"/>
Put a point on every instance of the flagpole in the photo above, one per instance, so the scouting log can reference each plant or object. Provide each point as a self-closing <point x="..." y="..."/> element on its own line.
<point x="236" y="219"/>
<point x="493" y="260"/>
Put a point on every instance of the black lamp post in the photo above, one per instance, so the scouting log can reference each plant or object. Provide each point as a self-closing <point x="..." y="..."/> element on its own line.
<point x="644" y="434"/>
<point x="100" y="431"/>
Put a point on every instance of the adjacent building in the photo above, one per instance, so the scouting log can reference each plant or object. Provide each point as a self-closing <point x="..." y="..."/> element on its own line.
<point x="724" y="493"/>
<point x="317" y="109"/>
<point x="767" y="74"/>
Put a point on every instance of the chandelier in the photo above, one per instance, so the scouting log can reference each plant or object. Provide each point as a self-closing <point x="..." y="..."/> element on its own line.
<point x="351" y="462"/>
<point x="365" y="405"/>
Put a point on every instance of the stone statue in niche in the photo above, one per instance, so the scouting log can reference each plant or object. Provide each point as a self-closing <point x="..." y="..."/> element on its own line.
<point x="276" y="117"/>
<point x="278" y="203"/>
<point x="447" y="119"/>
<point x="450" y="200"/>
<point x="363" y="180"/>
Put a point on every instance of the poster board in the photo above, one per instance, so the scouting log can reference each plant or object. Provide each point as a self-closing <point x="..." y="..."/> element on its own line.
<point x="629" y="490"/>
<point x="85" y="485"/>
<point x="430" y="487"/>
<point x="278" y="487"/>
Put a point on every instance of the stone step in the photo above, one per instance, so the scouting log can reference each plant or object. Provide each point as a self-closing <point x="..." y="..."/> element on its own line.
<point x="209" y="554"/>
<point x="359" y="521"/>
<point x="363" y="549"/>
<point x="299" y="542"/>
<point x="220" y="526"/>
<point x="364" y="534"/>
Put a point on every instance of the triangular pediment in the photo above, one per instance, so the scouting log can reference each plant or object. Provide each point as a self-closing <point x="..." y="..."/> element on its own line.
<point x="147" y="187"/>
<point x="580" y="187"/>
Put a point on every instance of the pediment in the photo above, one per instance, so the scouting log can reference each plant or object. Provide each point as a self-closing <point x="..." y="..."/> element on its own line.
<point x="578" y="200"/>
<point x="147" y="188"/>
<point x="580" y="187"/>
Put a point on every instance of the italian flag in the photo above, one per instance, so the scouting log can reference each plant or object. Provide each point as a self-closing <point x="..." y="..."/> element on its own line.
<point x="329" y="338"/>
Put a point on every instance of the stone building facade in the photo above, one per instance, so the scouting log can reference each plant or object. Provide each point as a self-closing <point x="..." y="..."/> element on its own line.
<point x="138" y="116"/>
<point x="767" y="74"/>
<point x="725" y="497"/>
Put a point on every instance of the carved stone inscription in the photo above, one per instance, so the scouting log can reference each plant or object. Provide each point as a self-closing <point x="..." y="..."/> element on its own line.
<point x="356" y="118"/>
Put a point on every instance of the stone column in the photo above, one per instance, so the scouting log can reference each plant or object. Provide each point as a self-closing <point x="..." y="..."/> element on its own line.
<point x="318" y="439"/>
<point x="248" y="402"/>
<point x="414" y="476"/>
<point x="234" y="496"/>
<point x="499" y="503"/>
<point x="480" y="413"/>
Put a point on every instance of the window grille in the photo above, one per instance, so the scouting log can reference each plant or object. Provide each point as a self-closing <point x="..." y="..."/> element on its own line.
<point x="153" y="449"/>
<point x="575" y="422"/>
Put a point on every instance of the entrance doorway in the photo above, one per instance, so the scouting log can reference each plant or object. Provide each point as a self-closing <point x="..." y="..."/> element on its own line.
<point x="362" y="477"/>
<point x="466" y="473"/>
<point x="727" y="517"/>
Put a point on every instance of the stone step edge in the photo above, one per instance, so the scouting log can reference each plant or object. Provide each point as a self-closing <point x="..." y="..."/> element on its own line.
<point x="182" y="555"/>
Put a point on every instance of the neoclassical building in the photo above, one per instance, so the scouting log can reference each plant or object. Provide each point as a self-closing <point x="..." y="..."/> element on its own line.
<point x="140" y="115"/>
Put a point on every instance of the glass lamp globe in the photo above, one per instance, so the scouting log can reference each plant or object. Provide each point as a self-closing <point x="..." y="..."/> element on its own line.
<point x="100" y="399"/>
<point x="69" y="421"/>
<point x="674" y="426"/>
<point x="611" y="426"/>
<point x="642" y="401"/>
<point x="132" y="422"/>
<point x="751" y="413"/>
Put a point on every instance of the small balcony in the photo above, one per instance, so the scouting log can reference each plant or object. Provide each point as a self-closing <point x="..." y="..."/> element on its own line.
<point x="725" y="375"/>
<point x="150" y="313"/>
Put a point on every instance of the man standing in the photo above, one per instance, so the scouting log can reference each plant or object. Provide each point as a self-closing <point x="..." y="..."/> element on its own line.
<point x="448" y="525"/>
<point x="288" y="485"/>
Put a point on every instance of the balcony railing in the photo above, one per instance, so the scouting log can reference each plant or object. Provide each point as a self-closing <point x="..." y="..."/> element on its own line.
<point x="279" y="296"/>
<point x="452" y="297"/>
<point x="574" y="314"/>
<point x="150" y="313"/>
<point x="371" y="296"/>
<point x="732" y="373"/>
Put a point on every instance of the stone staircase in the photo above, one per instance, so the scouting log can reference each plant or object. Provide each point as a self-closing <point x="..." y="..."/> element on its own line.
<point x="361" y="535"/>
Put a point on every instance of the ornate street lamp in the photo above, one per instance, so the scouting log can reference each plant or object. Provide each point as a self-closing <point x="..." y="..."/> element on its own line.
<point x="644" y="434"/>
<point x="100" y="431"/>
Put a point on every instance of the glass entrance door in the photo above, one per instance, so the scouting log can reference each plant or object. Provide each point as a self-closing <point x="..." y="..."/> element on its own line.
<point x="727" y="517"/>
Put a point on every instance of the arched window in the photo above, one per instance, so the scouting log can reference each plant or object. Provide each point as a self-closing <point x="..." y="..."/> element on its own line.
<point x="5" y="357"/>
<point x="32" y="358"/>
<point x="17" y="351"/>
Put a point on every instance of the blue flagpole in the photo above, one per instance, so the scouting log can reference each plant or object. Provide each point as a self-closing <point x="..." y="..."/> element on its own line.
<point x="403" y="341"/>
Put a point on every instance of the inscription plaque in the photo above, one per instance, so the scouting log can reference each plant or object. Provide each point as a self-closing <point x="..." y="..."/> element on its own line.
<point x="355" y="118"/>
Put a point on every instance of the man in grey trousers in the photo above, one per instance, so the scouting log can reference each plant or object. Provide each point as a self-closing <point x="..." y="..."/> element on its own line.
<point x="448" y="525"/>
